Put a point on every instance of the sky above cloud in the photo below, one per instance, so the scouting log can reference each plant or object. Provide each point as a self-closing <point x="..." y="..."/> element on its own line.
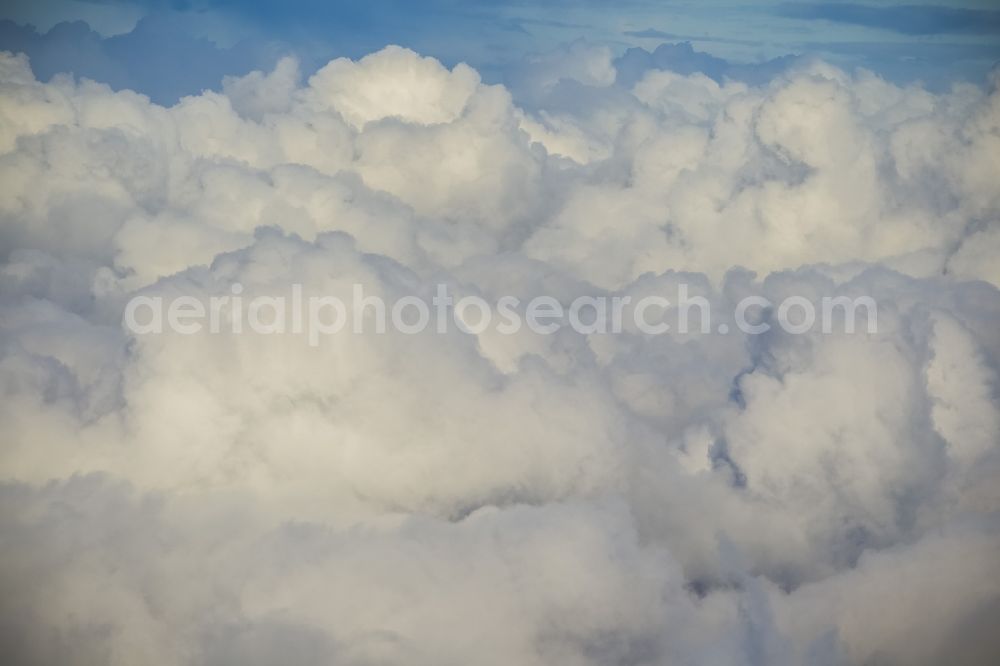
<point x="151" y="46"/>
<point x="824" y="498"/>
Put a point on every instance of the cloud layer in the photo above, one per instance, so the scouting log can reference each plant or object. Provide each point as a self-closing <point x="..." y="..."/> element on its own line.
<point x="480" y="499"/>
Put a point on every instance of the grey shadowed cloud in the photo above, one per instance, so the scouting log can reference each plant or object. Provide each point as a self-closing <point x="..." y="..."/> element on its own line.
<point x="155" y="58"/>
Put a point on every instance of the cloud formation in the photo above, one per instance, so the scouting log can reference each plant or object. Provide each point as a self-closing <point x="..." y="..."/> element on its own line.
<point x="906" y="19"/>
<point x="459" y="499"/>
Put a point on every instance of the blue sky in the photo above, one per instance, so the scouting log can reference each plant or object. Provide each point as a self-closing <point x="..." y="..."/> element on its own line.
<point x="169" y="49"/>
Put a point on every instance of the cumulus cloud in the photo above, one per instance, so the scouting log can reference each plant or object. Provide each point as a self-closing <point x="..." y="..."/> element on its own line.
<point x="823" y="498"/>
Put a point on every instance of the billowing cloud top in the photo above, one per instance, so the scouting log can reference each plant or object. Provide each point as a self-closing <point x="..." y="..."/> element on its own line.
<point x="489" y="499"/>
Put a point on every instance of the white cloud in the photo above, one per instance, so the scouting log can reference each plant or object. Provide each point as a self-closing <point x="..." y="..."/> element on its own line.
<point x="526" y="499"/>
<point x="393" y="83"/>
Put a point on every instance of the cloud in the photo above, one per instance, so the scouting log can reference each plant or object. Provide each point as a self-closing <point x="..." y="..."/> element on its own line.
<point x="482" y="498"/>
<point x="905" y="19"/>
<point x="684" y="59"/>
<point x="650" y="33"/>
<point x="158" y="57"/>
